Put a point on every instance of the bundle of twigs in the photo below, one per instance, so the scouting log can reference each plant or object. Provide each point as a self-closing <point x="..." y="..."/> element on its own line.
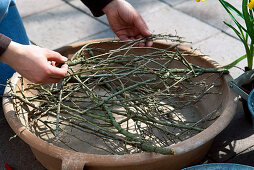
<point x="131" y="98"/>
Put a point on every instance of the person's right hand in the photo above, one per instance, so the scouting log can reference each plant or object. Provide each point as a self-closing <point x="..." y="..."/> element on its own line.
<point x="35" y="63"/>
<point x="126" y="22"/>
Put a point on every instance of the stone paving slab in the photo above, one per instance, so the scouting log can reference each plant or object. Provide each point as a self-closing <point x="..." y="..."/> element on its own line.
<point x="169" y="20"/>
<point x="29" y="7"/>
<point x="144" y="7"/>
<point x="245" y="158"/>
<point x="235" y="143"/>
<point x="147" y="7"/>
<point x="210" y="12"/>
<point x="223" y="49"/>
<point x="105" y="34"/>
<point x="60" y="26"/>
<point x="15" y="152"/>
<point x="174" y="2"/>
<point x="79" y="5"/>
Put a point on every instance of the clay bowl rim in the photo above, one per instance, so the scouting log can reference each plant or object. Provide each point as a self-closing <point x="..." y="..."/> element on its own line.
<point x="185" y="146"/>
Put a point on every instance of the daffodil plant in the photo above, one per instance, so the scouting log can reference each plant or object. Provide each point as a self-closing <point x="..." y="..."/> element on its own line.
<point x="244" y="32"/>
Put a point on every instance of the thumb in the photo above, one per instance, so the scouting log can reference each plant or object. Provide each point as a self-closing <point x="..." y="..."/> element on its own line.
<point x="57" y="72"/>
<point x="57" y="57"/>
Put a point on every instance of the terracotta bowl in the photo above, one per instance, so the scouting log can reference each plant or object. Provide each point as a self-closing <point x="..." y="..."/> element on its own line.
<point x="188" y="152"/>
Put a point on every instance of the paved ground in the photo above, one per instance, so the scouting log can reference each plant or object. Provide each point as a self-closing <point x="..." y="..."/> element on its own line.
<point x="55" y="23"/>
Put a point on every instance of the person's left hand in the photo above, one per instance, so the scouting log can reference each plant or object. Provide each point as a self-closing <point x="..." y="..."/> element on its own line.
<point x="35" y="63"/>
<point x="126" y="22"/>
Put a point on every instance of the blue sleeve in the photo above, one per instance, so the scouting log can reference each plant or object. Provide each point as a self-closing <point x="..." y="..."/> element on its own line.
<point x="4" y="5"/>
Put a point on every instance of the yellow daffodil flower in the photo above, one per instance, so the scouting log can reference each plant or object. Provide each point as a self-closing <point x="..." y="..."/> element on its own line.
<point x="201" y="0"/>
<point x="251" y="4"/>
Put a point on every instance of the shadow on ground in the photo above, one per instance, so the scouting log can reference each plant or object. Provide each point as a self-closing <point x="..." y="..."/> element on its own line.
<point x="235" y="143"/>
<point x="15" y="152"/>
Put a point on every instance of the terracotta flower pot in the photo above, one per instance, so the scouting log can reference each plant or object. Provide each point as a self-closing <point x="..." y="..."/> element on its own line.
<point x="188" y="152"/>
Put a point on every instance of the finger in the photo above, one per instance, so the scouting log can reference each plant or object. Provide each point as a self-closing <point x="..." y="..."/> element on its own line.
<point x="141" y="26"/>
<point x="56" y="72"/>
<point x="141" y="44"/>
<point x="139" y="36"/>
<point x="123" y="37"/>
<point x="149" y="43"/>
<point x="132" y="38"/>
<point x="55" y="56"/>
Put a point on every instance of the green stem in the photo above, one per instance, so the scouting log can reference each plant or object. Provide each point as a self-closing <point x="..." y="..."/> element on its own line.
<point x="143" y="145"/>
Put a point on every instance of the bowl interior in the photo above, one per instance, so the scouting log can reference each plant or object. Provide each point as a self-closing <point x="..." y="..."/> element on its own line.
<point x="206" y="110"/>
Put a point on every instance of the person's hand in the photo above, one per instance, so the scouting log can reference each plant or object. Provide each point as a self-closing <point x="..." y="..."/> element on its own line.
<point x="35" y="63"/>
<point x="126" y="22"/>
